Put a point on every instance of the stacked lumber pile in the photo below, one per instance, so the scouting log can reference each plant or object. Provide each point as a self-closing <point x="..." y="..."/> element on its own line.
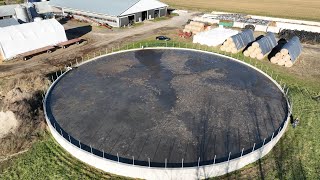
<point x="238" y="42"/>
<point x="289" y="53"/>
<point x="194" y="27"/>
<point x="262" y="47"/>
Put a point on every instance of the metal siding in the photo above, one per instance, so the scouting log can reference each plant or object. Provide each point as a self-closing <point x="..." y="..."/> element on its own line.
<point x="124" y="21"/>
<point x="151" y="12"/>
<point x="163" y="12"/>
<point x="137" y="16"/>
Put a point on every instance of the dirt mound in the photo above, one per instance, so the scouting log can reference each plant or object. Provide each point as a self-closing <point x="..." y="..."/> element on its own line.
<point x="23" y="117"/>
<point x="8" y="123"/>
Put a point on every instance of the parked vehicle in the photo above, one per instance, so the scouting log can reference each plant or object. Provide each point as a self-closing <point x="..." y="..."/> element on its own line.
<point x="163" y="38"/>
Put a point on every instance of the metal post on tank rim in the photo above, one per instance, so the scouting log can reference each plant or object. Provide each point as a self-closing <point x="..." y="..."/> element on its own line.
<point x="264" y="141"/>
<point x="214" y="159"/>
<point x="287" y="91"/>
<point x="61" y="132"/>
<point x="71" y="64"/>
<point x="149" y="162"/>
<point x="91" y="149"/>
<point x="182" y="163"/>
<point x="60" y="71"/>
<point x="279" y="130"/>
<point x="80" y="145"/>
<point x="133" y="160"/>
<point x="54" y="125"/>
<point x="56" y="74"/>
<point x="69" y="138"/>
<point x="165" y="163"/>
<point x="103" y="153"/>
<point x="242" y="152"/>
<point x="199" y="162"/>
<point x="272" y="136"/>
<point x="254" y="145"/>
<point x="118" y="157"/>
<point x="229" y="156"/>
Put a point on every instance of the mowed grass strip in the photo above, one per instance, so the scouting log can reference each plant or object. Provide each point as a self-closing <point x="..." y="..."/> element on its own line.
<point x="47" y="160"/>
<point x="293" y="9"/>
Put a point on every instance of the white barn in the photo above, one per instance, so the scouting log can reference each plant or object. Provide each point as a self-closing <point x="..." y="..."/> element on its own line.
<point x="115" y="13"/>
<point x="18" y="39"/>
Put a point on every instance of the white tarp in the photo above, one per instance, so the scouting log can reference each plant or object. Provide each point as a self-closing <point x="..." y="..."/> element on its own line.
<point x="26" y="37"/>
<point x="214" y="37"/>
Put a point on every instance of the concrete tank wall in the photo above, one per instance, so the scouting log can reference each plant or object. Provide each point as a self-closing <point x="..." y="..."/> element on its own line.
<point x="166" y="173"/>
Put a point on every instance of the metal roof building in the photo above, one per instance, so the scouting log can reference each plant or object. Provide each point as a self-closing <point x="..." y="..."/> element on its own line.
<point x="115" y="13"/>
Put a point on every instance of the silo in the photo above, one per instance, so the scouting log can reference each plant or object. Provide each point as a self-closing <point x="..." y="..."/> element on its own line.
<point x="22" y="14"/>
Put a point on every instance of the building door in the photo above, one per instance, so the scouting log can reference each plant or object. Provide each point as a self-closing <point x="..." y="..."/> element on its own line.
<point x="144" y="15"/>
<point x="131" y="19"/>
<point x="156" y="13"/>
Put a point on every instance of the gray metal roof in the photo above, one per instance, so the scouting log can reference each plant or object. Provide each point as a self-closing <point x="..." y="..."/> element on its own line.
<point x="106" y="7"/>
<point x="7" y="10"/>
<point x="8" y="22"/>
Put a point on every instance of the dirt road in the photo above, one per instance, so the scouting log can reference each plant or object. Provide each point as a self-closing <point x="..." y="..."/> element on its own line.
<point x="98" y="38"/>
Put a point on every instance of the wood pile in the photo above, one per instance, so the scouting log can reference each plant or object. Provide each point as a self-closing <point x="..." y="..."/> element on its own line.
<point x="261" y="47"/>
<point x="288" y="54"/>
<point x="194" y="27"/>
<point x="238" y="42"/>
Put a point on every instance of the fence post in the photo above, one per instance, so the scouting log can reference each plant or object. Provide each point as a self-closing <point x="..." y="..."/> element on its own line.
<point x="182" y="163"/>
<point x="118" y="157"/>
<point x="279" y="130"/>
<point x="254" y="145"/>
<point x="165" y="163"/>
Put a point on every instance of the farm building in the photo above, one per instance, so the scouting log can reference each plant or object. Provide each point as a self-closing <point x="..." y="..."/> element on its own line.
<point x="22" y="38"/>
<point x="114" y="13"/>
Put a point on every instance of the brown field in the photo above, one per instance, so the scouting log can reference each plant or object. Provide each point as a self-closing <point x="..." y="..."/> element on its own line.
<point x="294" y="9"/>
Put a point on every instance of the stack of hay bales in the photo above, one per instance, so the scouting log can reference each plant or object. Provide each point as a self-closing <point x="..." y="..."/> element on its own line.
<point x="238" y="42"/>
<point x="289" y="53"/>
<point x="194" y="27"/>
<point x="262" y="47"/>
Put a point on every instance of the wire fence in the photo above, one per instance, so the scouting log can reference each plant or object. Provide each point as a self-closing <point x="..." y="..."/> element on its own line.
<point x="148" y="162"/>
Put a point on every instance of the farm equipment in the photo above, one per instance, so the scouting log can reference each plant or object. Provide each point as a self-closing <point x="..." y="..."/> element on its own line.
<point x="185" y="35"/>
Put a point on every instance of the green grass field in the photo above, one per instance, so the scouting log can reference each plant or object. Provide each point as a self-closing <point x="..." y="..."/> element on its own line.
<point x="296" y="156"/>
<point x="294" y="9"/>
